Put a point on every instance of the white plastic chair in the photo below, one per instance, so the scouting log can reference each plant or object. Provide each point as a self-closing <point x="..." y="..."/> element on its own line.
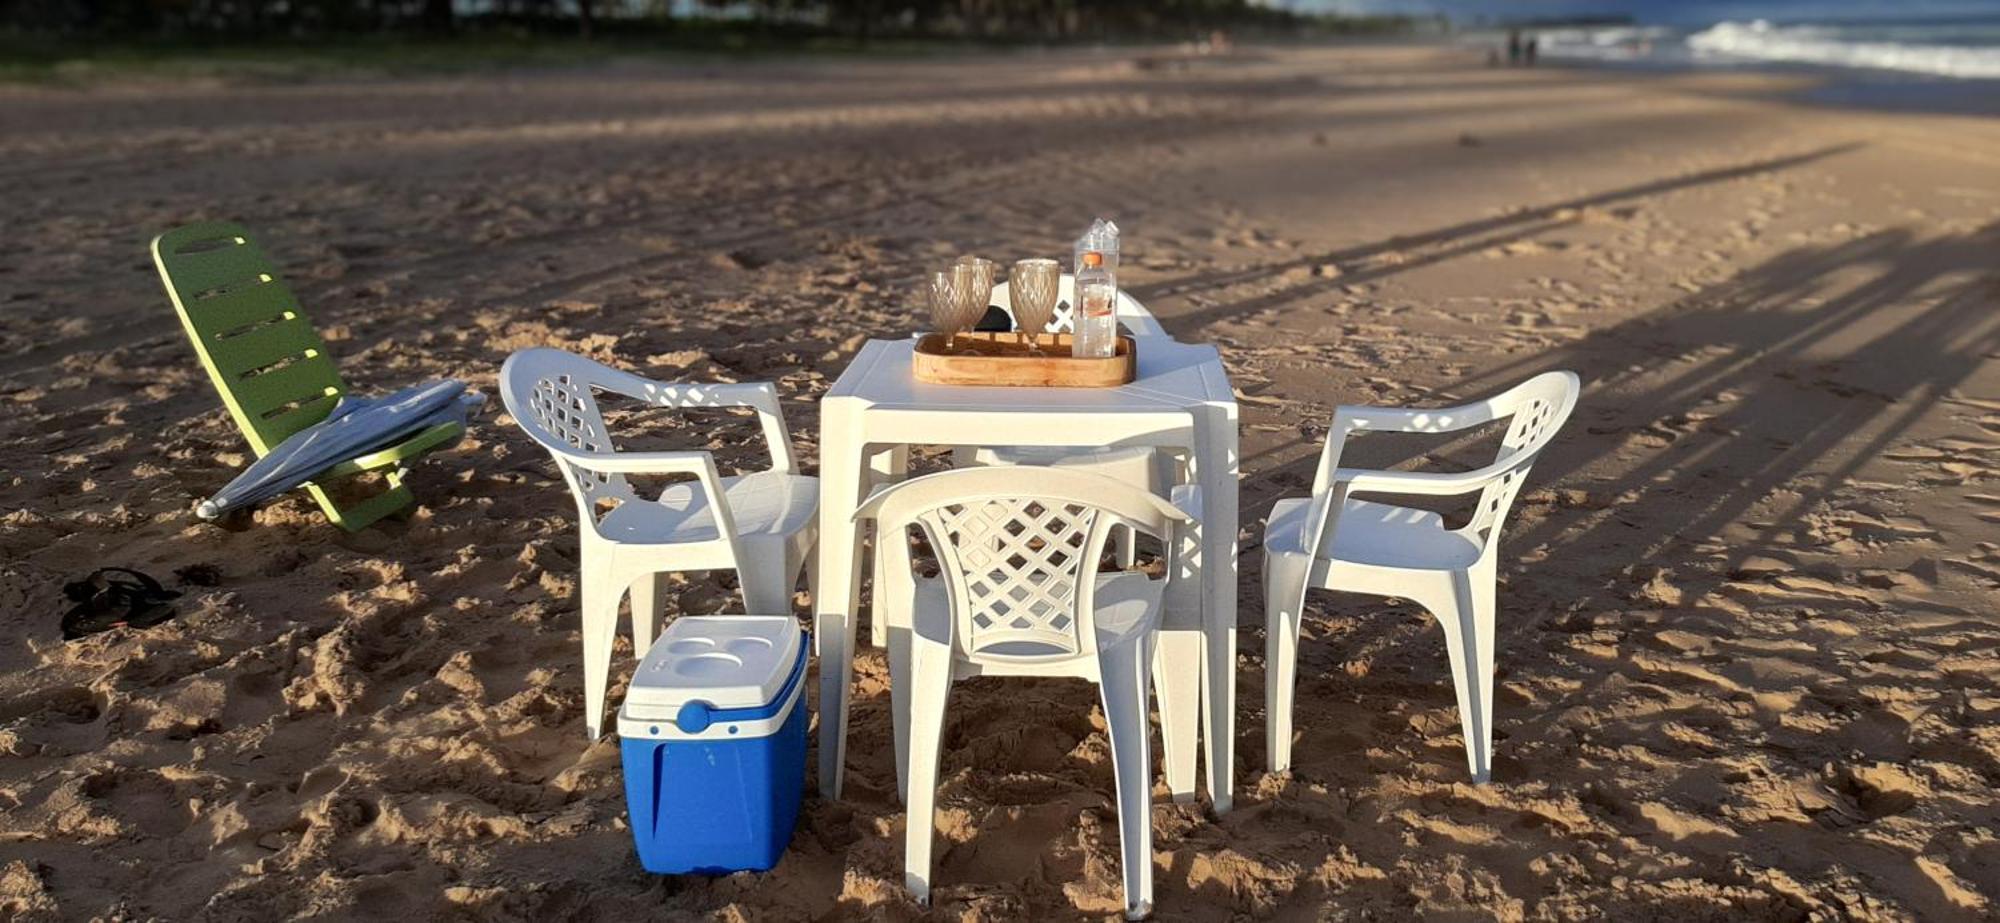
<point x="1178" y="651"/>
<point x="763" y="525"/>
<point x="1129" y="311"/>
<point x="1019" y="594"/>
<point x="1157" y="471"/>
<point x="1333" y="540"/>
<point x="1140" y="465"/>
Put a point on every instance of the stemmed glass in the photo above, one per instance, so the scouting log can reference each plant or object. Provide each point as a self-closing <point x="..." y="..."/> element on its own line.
<point x="1033" y="287"/>
<point x="976" y="288"/>
<point x="947" y="316"/>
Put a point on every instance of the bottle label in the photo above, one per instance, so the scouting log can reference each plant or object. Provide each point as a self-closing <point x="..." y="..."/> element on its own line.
<point x="1096" y="301"/>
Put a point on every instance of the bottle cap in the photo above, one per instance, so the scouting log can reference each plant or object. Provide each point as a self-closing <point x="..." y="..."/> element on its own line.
<point x="1093" y="258"/>
<point x="1102" y="236"/>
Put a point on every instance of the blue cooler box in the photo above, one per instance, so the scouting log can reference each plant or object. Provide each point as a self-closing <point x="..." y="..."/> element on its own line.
<point x="713" y="738"/>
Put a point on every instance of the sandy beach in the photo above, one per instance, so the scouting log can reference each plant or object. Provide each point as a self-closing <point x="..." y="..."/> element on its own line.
<point x="1750" y="600"/>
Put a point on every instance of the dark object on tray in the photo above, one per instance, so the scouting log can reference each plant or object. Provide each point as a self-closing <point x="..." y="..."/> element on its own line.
<point x="997" y="320"/>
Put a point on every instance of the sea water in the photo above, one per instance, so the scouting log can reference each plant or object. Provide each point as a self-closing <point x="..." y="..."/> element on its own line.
<point x="1866" y="40"/>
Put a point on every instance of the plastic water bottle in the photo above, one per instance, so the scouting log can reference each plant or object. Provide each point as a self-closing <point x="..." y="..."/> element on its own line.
<point x="1095" y="317"/>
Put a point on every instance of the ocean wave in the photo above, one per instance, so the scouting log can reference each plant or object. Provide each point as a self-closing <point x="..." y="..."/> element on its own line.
<point x="1761" y="41"/>
<point x="1602" y="43"/>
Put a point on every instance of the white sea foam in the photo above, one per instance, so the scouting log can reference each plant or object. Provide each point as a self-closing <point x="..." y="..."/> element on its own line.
<point x="1761" y="41"/>
<point x="1602" y="43"/>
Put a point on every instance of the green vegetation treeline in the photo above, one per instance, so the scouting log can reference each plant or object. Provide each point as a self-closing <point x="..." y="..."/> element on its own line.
<point x="771" y="21"/>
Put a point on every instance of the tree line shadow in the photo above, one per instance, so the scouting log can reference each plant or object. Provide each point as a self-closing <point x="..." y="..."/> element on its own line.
<point x="1809" y="394"/>
<point x="1449" y="242"/>
<point x="1773" y="388"/>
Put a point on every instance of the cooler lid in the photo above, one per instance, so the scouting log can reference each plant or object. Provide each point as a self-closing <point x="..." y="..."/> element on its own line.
<point x="723" y="661"/>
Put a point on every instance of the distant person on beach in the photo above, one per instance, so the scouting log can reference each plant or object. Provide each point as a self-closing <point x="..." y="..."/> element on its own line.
<point x="1528" y="50"/>
<point x="1513" y="47"/>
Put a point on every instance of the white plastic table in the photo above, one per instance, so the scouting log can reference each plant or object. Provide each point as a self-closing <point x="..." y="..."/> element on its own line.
<point x="1180" y="399"/>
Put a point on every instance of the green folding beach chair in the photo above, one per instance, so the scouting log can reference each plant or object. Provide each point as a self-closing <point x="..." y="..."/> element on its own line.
<point x="268" y="363"/>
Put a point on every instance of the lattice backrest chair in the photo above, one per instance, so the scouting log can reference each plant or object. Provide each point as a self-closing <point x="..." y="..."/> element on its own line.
<point x="1139" y="465"/>
<point x="1020" y="592"/>
<point x="269" y="364"/>
<point x="761" y="524"/>
<point x="1337" y="540"/>
<point x="1019" y="573"/>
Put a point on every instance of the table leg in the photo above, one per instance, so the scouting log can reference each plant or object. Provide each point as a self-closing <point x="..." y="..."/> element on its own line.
<point x="894" y="589"/>
<point x="1178" y="660"/>
<point x="840" y="487"/>
<point x="1219" y="500"/>
<point x="888" y="466"/>
<point x="1177" y="666"/>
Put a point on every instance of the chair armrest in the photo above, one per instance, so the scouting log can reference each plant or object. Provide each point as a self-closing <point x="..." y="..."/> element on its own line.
<point x="699" y="464"/>
<point x="1323" y="517"/>
<point x="1142" y="325"/>
<point x="1356" y="481"/>
<point x="689" y="462"/>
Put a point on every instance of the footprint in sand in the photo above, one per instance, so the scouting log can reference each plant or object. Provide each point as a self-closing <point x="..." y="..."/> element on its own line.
<point x="1987" y="500"/>
<point x="1865" y="794"/>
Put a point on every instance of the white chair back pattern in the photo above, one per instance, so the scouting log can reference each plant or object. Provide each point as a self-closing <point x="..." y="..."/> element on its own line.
<point x="1020" y="563"/>
<point x="1538" y="408"/>
<point x="1019" y="571"/>
<point x="563" y="408"/>
<point x="1129" y="311"/>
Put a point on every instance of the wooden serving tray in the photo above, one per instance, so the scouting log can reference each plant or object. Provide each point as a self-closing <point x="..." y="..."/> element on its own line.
<point x="1002" y="360"/>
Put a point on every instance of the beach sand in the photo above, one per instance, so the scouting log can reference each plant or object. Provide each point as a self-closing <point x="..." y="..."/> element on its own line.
<point x="1750" y="652"/>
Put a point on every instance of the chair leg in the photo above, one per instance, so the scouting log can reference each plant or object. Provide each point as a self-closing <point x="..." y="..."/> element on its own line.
<point x="1469" y="637"/>
<point x="1177" y="693"/>
<point x="886" y="467"/>
<point x="1284" y="609"/>
<point x="1122" y="682"/>
<point x="930" y="689"/>
<point x="798" y="562"/>
<point x="811" y="565"/>
<point x="646" y="593"/>
<point x="894" y="597"/>
<point x="393" y="499"/>
<point x="1125" y="546"/>
<point x="600" y="595"/>
<point x="767" y="587"/>
<point x="878" y="625"/>
<point x="898" y="653"/>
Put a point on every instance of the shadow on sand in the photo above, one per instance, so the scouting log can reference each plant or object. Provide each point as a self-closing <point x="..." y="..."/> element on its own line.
<point x="1752" y="406"/>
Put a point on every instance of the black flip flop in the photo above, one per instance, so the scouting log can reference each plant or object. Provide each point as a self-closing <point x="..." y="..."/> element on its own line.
<point x="115" y="597"/>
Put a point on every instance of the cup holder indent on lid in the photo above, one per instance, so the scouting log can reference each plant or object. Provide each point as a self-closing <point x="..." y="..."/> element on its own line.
<point x="711" y="664"/>
<point x="748" y="647"/>
<point x="691" y="646"/>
